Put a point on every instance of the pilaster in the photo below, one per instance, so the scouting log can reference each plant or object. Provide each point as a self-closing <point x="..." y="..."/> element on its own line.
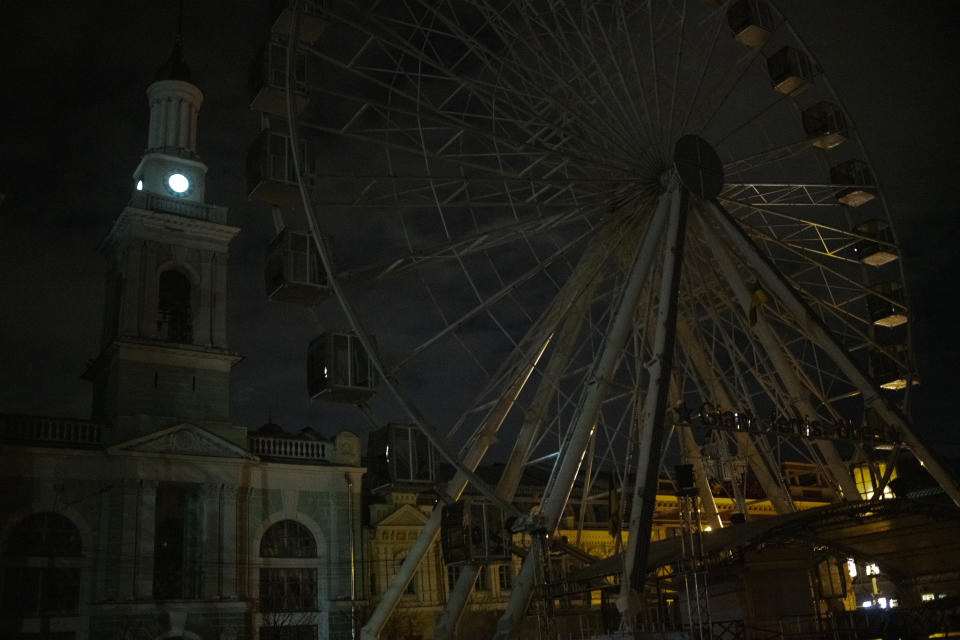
<point x="228" y="542"/>
<point x="145" y="538"/>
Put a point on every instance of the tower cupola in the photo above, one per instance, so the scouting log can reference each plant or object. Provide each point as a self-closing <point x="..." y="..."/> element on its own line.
<point x="170" y="167"/>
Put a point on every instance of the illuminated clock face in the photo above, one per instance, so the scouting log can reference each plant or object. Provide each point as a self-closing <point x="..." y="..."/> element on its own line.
<point x="178" y="183"/>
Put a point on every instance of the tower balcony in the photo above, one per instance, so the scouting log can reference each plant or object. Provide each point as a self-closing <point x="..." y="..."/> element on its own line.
<point x="163" y="204"/>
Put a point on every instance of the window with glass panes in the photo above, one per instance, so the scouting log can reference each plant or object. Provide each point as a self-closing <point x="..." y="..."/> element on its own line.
<point x="505" y="577"/>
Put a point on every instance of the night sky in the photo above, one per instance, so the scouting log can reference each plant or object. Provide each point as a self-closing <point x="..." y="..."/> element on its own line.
<point x="75" y="123"/>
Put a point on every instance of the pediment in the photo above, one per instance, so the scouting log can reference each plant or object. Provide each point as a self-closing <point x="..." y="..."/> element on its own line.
<point x="182" y="440"/>
<point x="405" y="516"/>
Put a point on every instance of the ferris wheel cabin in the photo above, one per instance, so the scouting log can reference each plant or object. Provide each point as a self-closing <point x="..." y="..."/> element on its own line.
<point x="473" y="531"/>
<point x="271" y="172"/>
<point x="751" y="22"/>
<point x="877" y="247"/>
<point x="268" y="79"/>
<point x="312" y="22"/>
<point x="825" y="125"/>
<point x="886" y="305"/>
<point x="339" y="369"/>
<point x="856" y="174"/>
<point x="294" y="272"/>
<point x="790" y="70"/>
<point x="400" y="455"/>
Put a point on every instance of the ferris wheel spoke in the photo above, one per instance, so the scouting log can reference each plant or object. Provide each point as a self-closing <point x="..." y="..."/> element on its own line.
<point x="764" y="158"/>
<point x="609" y="95"/>
<point x="701" y="74"/>
<point x="485" y="303"/>
<point x="785" y="195"/>
<point x="415" y="113"/>
<point x="765" y="336"/>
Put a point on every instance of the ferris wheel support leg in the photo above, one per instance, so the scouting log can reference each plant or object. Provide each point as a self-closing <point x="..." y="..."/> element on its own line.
<point x="654" y="413"/>
<point x="775" y="491"/>
<point x="798" y="395"/>
<point x="584" y="422"/>
<point x="691" y="452"/>
<point x="571" y="305"/>
<point x="775" y="283"/>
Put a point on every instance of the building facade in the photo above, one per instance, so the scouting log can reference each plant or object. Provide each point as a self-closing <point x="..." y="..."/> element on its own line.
<point x="158" y="517"/>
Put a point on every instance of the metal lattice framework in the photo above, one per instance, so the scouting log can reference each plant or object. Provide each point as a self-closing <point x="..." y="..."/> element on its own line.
<point x="510" y="223"/>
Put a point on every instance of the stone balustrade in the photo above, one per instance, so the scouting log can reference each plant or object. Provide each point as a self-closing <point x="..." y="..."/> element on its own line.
<point x="40" y="429"/>
<point x="290" y="448"/>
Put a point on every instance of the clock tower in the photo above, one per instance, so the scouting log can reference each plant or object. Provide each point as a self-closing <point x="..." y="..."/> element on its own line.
<point x="164" y="358"/>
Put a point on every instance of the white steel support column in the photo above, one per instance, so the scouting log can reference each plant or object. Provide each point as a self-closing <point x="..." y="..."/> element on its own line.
<point x="691" y="452"/>
<point x="798" y="394"/>
<point x="654" y="413"/>
<point x="779" y="497"/>
<point x="774" y="283"/>
<point x="563" y="345"/>
<point x="584" y="422"/>
<point x="569" y="296"/>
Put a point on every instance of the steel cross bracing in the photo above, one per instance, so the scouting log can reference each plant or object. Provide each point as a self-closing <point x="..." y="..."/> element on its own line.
<point x="540" y="126"/>
<point x="798" y="394"/>
<point x="585" y="420"/>
<point x="774" y="281"/>
<point x="565" y="307"/>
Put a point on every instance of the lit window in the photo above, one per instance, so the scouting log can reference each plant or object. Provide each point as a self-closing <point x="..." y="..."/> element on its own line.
<point x="139" y="185"/>
<point x="852" y="567"/>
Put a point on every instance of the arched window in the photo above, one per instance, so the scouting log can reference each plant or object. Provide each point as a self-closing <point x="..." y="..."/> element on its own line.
<point x="288" y="581"/>
<point x="41" y="575"/>
<point x="174" y="316"/>
<point x="288" y="539"/>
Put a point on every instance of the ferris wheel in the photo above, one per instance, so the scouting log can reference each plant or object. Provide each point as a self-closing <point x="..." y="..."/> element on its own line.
<point x="608" y="234"/>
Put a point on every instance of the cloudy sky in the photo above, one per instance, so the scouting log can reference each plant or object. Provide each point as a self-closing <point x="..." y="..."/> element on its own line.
<point x="74" y="125"/>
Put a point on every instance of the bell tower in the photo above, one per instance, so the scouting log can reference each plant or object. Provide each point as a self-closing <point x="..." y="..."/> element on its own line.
<point x="164" y="357"/>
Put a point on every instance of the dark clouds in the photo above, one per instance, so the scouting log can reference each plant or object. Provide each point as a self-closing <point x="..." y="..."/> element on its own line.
<point x="74" y="125"/>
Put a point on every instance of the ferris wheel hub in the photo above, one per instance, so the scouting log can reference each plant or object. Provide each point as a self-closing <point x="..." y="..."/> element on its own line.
<point x="698" y="166"/>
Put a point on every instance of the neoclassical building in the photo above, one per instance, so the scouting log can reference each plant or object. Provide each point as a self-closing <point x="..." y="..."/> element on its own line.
<point x="158" y="517"/>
